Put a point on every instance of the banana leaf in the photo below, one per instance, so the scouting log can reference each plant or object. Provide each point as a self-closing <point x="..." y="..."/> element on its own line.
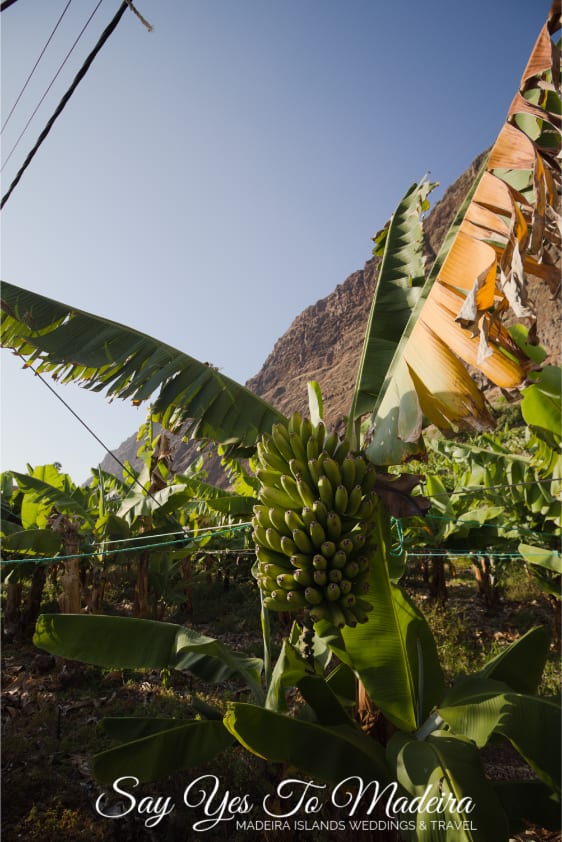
<point x="40" y="496"/>
<point x="30" y="542"/>
<point x="323" y="701"/>
<point x="324" y="753"/>
<point x="479" y="707"/>
<point x="399" y="283"/>
<point x="528" y="803"/>
<point x="521" y="664"/>
<point x="451" y="767"/>
<point x="394" y="652"/>
<point x="289" y="668"/>
<point x="480" y="272"/>
<point x="127" y="643"/>
<point x="549" y="559"/>
<point x="104" y="356"/>
<point x="164" y="501"/>
<point x="124" y="729"/>
<point x="541" y="406"/>
<point x="168" y="747"/>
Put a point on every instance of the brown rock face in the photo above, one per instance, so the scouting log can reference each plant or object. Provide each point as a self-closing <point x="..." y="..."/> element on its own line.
<point x="324" y="342"/>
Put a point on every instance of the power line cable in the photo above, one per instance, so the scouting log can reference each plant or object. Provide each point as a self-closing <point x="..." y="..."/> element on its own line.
<point x="77" y="79"/>
<point x="89" y="429"/>
<point x="6" y="5"/>
<point x="14" y="106"/>
<point x="16" y="144"/>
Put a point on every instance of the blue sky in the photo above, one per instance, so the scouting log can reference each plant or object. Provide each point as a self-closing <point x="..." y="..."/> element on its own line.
<point x="211" y="179"/>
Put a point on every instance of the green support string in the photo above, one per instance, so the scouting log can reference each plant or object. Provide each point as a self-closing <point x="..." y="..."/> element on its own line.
<point x="153" y="546"/>
<point x="438" y="551"/>
<point x="478" y="523"/>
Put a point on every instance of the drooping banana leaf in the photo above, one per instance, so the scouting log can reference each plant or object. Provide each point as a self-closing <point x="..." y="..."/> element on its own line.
<point x="478" y="708"/>
<point x="501" y="234"/>
<point x="29" y="542"/>
<point x="548" y="559"/>
<point x="450" y="766"/>
<point x="314" y="749"/>
<point x="168" y="747"/>
<point x="102" y="355"/>
<point x="126" y="643"/>
<point x="40" y="496"/>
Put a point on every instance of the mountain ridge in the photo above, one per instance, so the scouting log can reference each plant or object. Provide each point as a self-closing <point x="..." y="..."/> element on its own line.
<point x="324" y="341"/>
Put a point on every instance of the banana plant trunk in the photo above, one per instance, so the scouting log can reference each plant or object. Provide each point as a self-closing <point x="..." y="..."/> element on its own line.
<point x="70" y="599"/>
<point x="370" y="717"/>
<point x="376" y="725"/>
<point x="186" y="570"/>
<point x="141" y="607"/>
<point x="33" y="603"/>
<point x="161" y="458"/>
<point x="12" y="610"/>
<point x="437" y="581"/>
<point x="93" y="591"/>
<point x="486" y="579"/>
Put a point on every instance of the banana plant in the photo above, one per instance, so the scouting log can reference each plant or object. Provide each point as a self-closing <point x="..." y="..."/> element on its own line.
<point x="55" y="518"/>
<point x="388" y="650"/>
<point x="505" y="231"/>
<point x="456" y="523"/>
<point x="26" y="546"/>
<point x="436" y="732"/>
<point x="432" y="734"/>
<point x="525" y="490"/>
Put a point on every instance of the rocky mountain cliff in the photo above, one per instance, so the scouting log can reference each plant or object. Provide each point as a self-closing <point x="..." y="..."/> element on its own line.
<point x="324" y="342"/>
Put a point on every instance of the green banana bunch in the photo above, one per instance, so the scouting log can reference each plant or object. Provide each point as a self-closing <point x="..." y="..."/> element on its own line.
<point x="313" y="524"/>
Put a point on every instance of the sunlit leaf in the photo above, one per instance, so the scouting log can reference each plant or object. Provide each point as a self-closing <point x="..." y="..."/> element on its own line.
<point x="480" y="272"/>
<point x="106" y="356"/>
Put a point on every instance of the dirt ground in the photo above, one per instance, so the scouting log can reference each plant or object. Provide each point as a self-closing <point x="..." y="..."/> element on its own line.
<point x="50" y="725"/>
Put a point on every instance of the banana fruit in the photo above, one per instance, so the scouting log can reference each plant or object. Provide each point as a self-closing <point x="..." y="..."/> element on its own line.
<point x="313" y="523"/>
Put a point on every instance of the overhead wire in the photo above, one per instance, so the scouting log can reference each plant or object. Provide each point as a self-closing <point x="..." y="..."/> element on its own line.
<point x="42" y="53"/>
<point x="36" y="109"/>
<point x="62" y="104"/>
<point x="439" y="551"/>
<point x="397" y="522"/>
<point x="89" y="429"/>
<point x="6" y="4"/>
<point x="193" y="533"/>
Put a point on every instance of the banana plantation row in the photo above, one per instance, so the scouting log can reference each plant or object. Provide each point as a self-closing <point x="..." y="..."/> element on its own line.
<point x="488" y="506"/>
